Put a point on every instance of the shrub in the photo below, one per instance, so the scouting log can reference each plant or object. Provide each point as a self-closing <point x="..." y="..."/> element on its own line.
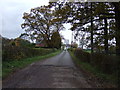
<point x="105" y="63"/>
<point x="10" y="52"/>
<point x="84" y="56"/>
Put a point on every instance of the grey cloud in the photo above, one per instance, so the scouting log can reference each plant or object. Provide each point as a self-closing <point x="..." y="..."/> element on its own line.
<point x="12" y="12"/>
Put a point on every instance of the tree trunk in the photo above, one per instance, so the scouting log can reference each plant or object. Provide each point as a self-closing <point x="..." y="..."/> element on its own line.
<point x="106" y="36"/>
<point x="91" y="30"/>
<point x="117" y="18"/>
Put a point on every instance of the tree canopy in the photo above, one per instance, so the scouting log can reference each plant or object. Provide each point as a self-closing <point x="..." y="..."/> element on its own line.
<point x="99" y="21"/>
<point x="40" y="24"/>
<point x="56" y="40"/>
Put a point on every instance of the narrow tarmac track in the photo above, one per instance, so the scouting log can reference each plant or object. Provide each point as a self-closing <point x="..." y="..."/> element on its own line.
<point x="56" y="72"/>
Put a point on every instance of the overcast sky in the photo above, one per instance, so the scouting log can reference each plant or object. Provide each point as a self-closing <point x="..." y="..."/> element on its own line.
<point x="11" y="16"/>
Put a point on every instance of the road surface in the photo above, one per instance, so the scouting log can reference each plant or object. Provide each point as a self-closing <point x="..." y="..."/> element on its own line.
<point x="56" y="72"/>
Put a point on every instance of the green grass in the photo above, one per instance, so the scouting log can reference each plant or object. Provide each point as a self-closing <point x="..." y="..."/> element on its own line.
<point x="89" y="51"/>
<point x="111" y="78"/>
<point x="0" y="70"/>
<point x="11" y="66"/>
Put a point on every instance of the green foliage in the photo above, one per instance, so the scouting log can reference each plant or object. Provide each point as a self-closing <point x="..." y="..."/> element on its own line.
<point x="88" y="50"/>
<point x="104" y="24"/>
<point x="17" y="52"/>
<point x="109" y="74"/>
<point x="105" y="63"/>
<point x="12" y="43"/>
<point x="74" y="45"/>
<point x="56" y="40"/>
<point x="16" y="42"/>
<point x="40" y="24"/>
<point x="5" y="41"/>
<point x="22" y="42"/>
<point x="84" y="56"/>
<point x="10" y="66"/>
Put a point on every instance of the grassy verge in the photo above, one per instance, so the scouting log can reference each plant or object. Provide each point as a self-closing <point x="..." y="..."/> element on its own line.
<point x="89" y="51"/>
<point x="9" y="67"/>
<point x="110" y="78"/>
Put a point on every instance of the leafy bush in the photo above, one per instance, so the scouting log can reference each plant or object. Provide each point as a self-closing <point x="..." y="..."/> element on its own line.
<point x="10" y="52"/>
<point x="84" y="56"/>
<point x="105" y="63"/>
